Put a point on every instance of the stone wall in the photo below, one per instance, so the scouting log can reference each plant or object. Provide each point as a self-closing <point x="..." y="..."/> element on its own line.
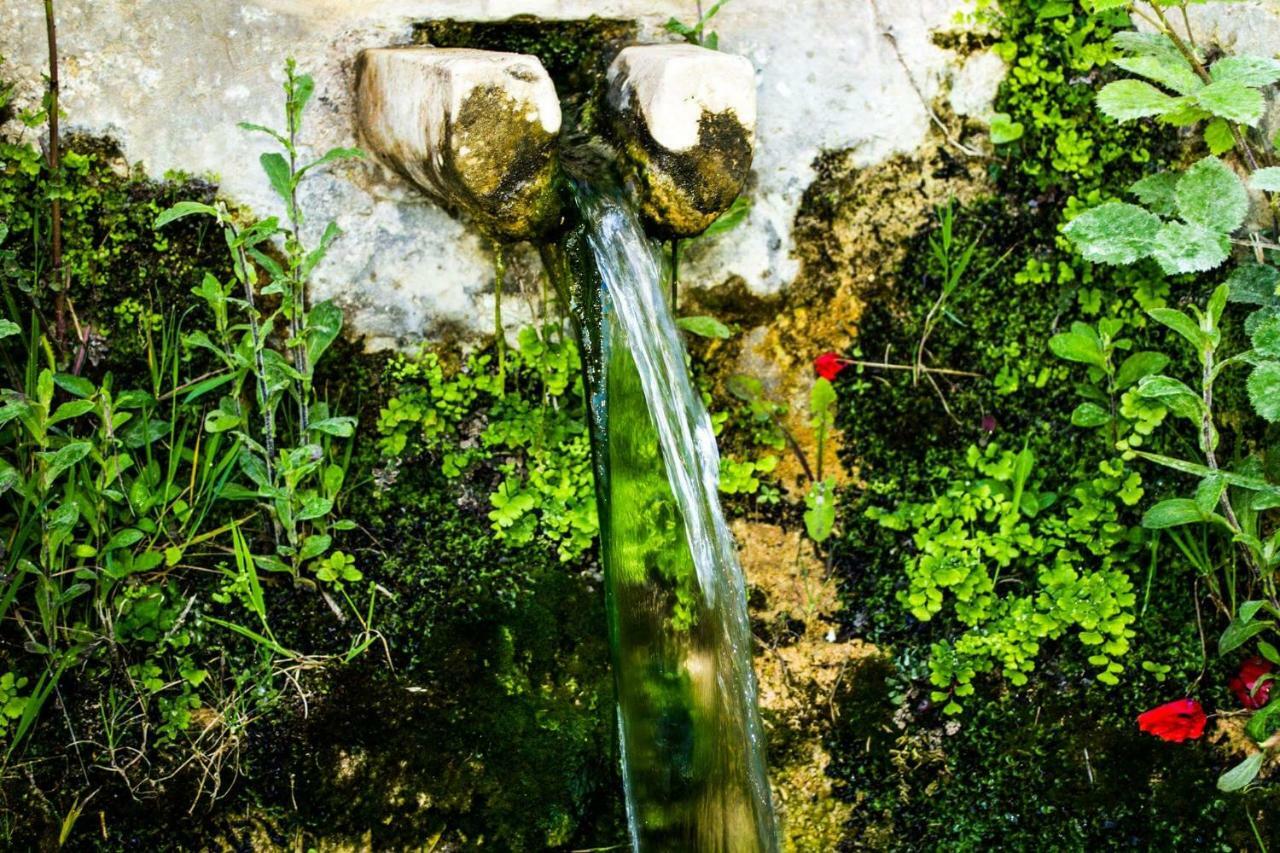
<point x="170" y="81"/>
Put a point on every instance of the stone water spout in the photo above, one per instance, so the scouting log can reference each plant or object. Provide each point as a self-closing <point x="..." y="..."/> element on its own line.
<point x="685" y="120"/>
<point x="475" y="130"/>
<point x="478" y="132"/>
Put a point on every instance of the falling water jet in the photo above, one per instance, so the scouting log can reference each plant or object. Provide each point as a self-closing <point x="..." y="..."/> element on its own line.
<point x="683" y="119"/>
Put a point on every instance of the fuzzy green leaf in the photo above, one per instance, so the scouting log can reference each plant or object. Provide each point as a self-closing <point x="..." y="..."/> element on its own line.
<point x="1157" y="192"/>
<point x="1255" y="71"/>
<point x="277" y="169"/>
<point x="181" y="209"/>
<point x="1266" y="337"/>
<point x="1167" y="70"/>
<point x="1114" y="233"/>
<point x="1266" y="180"/>
<point x="1211" y="195"/>
<point x="1184" y="248"/>
<point x="1233" y="101"/>
<point x="1264" y="390"/>
<point x="1254" y="284"/>
<point x="324" y="324"/>
<point x="1127" y="100"/>
<point x="1089" y="415"/>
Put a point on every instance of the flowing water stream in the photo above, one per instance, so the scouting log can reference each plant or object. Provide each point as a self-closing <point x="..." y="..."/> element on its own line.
<point x="692" y="744"/>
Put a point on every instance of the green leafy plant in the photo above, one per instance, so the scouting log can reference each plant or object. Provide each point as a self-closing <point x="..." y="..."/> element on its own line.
<point x="294" y="467"/>
<point x="697" y="32"/>
<point x="1072" y="559"/>
<point x="1186" y="223"/>
<point x="528" y="424"/>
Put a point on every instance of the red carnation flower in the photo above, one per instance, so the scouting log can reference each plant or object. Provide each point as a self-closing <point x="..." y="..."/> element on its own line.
<point x="829" y="365"/>
<point x="1176" y="721"/>
<point x="1245" y="683"/>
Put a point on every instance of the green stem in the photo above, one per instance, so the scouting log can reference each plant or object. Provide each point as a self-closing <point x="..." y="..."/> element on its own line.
<point x="499" y="338"/>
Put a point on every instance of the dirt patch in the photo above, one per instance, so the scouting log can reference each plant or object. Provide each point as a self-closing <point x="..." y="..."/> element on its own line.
<point x="799" y="667"/>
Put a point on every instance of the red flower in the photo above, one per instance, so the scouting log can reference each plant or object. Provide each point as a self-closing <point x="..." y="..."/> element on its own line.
<point x="1176" y="721"/>
<point x="829" y="365"/>
<point x="1245" y="683"/>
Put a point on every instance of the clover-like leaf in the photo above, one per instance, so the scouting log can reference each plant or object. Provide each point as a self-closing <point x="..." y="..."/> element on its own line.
<point x="1114" y="233"/>
<point x="1210" y="194"/>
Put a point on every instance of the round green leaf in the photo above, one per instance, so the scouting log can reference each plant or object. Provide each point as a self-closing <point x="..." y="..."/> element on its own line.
<point x="1264" y="390"/>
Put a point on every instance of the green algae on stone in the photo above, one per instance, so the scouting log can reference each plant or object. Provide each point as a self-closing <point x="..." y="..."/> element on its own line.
<point x="506" y="163"/>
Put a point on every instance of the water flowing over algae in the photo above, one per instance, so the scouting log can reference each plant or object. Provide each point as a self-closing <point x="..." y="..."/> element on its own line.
<point x="692" y="743"/>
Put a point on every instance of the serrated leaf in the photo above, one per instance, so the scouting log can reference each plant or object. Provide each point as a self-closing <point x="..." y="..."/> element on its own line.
<point x="1144" y="44"/>
<point x="1211" y="195"/>
<point x="1114" y="233"/>
<point x="1233" y="101"/>
<point x="1183" y="248"/>
<point x="1218" y="136"/>
<point x="1266" y="180"/>
<point x="1264" y="391"/>
<point x="1257" y="71"/>
<point x="1266" y="337"/>
<point x="1171" y="71"/>
<point x="1254" y="284"/>
<point x="1157" y="192"/>
<point x="1128" y="100"/>
<point x="1239" y="777"/>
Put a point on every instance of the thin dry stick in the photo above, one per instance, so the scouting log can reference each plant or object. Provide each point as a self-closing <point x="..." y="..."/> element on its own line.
<point x="55" y="167"/>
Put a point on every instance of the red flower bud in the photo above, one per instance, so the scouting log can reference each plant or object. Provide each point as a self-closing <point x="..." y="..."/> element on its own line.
<point x="828" y="365"/>
<point x="1176" y="721"/>
<point x="1245" y="683"/>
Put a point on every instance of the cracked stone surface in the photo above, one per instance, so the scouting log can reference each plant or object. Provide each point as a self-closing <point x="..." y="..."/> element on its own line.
<point x="171" y="80"/>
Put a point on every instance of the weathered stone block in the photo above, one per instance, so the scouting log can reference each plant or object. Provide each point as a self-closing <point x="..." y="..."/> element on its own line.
<point x="476" y="130"/>
<point x="685" y="118"/>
